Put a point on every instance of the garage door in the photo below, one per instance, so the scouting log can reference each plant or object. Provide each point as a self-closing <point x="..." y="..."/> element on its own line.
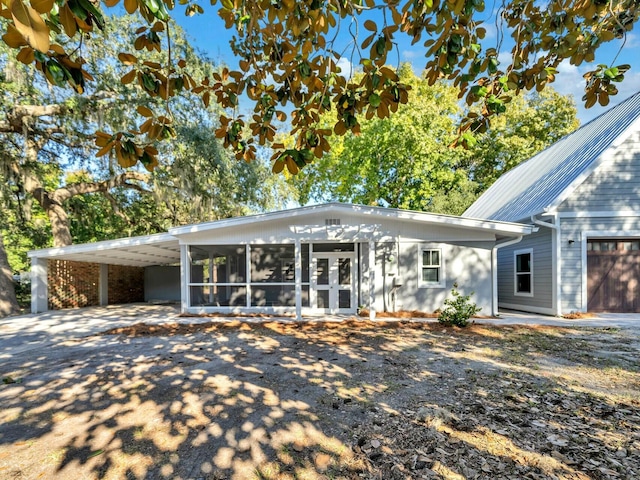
<point x="613" y="275"/>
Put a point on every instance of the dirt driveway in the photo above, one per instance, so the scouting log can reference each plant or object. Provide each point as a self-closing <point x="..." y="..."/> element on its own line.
<point x="354" y="400"/>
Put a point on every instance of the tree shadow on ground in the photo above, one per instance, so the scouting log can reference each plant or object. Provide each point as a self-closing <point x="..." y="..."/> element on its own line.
<point x="351" y="400"/>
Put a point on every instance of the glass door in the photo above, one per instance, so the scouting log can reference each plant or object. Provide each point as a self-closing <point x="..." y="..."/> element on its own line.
<point x="333" y="289"/>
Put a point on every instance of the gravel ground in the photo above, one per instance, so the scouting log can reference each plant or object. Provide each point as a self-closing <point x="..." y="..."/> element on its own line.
<point x="350" y="400"/>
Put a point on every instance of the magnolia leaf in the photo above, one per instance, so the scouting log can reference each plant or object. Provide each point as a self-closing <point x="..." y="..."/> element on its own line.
<point x="130" y="6"/>
<point x="127" y="58"/>
<point x="13" y="37"/>
<point x="278" y="166"/>
<point x="291" y="166"/>
<point x="144" y="111"/>
<point x="104" y="150"/>
<point x="68" y="20"/>
<point x="128" y="78"/>
<point x="31" y="25"/>
<point x="370" y="25"/>
<point x="111" y="3"/>
<point x="42" y="6"/>
<point x="26" y="55"/>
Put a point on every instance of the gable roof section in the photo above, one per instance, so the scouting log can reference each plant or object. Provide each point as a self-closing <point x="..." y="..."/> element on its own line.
<point x="544" y="181"/>
<point x="373" y="213"/>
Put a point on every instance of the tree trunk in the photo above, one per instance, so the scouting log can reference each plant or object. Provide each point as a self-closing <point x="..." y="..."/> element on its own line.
<point x="8" y="302"/>
<point x="59" y="225"/>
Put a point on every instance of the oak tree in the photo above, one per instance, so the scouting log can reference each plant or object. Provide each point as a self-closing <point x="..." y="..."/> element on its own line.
<point x="288" y="53"/>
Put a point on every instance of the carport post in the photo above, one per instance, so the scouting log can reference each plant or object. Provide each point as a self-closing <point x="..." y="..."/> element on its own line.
<point x="103" y="284"/>
<point x="298" y="278"/>
<point x="372" y="280"/>
<point x="39" y="285"/>
<point x="185" y="267"/>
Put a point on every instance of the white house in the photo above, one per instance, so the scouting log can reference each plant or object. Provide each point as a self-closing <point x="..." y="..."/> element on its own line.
<point x="329" y="258"/>
<point x="583" y="193"/>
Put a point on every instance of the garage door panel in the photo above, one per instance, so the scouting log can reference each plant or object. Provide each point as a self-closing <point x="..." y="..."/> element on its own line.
<point x="613" y="277"/>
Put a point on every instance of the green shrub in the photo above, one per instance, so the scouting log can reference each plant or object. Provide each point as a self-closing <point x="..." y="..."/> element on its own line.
<point x="23" y="294"/>
<point x="458" y="310"/>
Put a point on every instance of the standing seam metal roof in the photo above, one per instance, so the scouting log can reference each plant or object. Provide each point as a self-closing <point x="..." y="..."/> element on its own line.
<point x="547" y="178"/>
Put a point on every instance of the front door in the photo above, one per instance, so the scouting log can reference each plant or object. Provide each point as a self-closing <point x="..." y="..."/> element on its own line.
<point x="332" y="283"/>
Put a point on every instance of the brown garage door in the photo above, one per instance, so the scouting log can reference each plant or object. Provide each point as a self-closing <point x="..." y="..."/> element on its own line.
<point x="613" y="272"/>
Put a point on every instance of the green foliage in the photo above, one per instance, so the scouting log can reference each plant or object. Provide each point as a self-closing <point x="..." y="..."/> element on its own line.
<point x="403" y="161"/>
<point x="458" y="310"/>
<point x="196" y="180"/>
<point x="287" y="55"/>
<point x="529" y="125"/>
<point x="23" y="295"/>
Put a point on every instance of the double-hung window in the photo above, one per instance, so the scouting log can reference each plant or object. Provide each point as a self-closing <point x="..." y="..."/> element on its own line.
<point x="523" y="274"/>
<point x="431" y="272"/>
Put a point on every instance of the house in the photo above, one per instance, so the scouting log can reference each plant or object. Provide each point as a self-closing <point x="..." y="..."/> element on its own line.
<point x="583" y="193"/>
<point x="319" y="259"/>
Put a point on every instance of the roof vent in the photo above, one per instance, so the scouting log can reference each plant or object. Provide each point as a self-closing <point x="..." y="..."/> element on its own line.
<point x="331" y="221"/>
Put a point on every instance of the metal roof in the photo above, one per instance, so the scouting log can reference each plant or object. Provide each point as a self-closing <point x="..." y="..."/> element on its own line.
<point x="544" y="181"/>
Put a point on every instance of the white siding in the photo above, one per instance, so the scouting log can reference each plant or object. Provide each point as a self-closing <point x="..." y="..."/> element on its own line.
<point x="542" y="281"/>
<point x="572" y="268"/>
<point x="614" y="185"/>
<point x="468" y="265"/>
<point x="602" y="205"/>
<point x="279" y="231"/>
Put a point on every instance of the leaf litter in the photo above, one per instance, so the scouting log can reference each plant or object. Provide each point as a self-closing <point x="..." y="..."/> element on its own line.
<point x="414" y="400"/>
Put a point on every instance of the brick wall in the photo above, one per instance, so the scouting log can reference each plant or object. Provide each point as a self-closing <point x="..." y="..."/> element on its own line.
<point x="77" y="284"/>
<point x="73" y="284"/>
<point x="126" y="284"/>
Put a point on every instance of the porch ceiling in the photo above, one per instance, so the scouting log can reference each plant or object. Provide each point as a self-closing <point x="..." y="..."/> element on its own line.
<point x="160" y="249"/>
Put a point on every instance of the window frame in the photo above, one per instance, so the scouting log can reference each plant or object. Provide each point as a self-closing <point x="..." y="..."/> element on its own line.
<point x="517" y="253"/>
<point x="442" y="281"/>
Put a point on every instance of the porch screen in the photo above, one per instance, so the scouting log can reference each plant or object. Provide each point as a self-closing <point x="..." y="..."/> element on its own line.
<point x="273" y="276"/>
<point x="218" y="275"/>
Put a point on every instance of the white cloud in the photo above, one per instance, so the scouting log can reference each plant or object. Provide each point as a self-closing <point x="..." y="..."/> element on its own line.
<point x="346" y="67"/>
<point x="570" y="81"/>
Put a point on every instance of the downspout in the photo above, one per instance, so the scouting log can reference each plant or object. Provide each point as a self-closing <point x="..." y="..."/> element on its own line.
<point x="556" y="258"/>
<point x="494" y="272"/>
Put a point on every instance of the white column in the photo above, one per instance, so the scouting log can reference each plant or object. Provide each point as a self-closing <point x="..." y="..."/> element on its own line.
<point x="103" y="284"/>
<point x="185" y="275"/>
<point x="372" y="280"/>
<point x="39" y="285"/>
<point x="248" y="275"/>
<point x="298" y="278"/>
<point x="494" y="282"/>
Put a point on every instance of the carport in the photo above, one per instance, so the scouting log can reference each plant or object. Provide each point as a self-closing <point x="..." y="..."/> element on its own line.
<point x="107" y="272"/>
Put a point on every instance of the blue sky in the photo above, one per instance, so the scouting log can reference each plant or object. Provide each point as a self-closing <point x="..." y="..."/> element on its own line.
<point x="207" y="32"/>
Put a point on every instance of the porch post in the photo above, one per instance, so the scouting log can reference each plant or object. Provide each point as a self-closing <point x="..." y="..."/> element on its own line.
<point x="372" y="278"/>
<point x="39" y="285"/>
<point x="103" y="284"/>
<point x="185" y="267"/>
<point x="298" y="278"/>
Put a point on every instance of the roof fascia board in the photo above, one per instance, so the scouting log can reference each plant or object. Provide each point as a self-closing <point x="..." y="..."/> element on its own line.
<point x="579" y="180"/>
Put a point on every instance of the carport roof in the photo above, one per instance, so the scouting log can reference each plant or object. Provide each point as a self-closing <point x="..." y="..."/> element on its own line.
<point x="157" y="249"/>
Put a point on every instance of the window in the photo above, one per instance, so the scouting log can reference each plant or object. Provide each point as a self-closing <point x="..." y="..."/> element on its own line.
<point x="524" y="272"/>
<point x="431" y="272"/>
